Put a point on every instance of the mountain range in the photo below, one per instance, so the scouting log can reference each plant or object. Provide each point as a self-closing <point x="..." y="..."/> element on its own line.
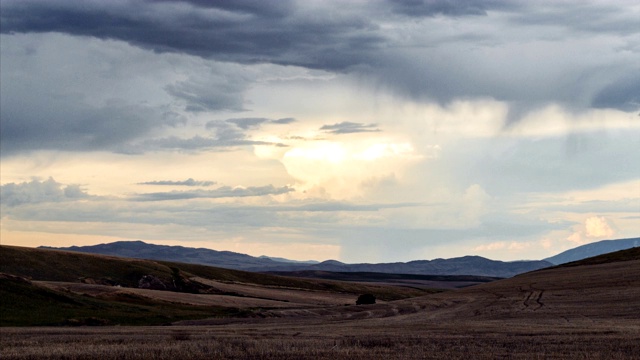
<point x="466" y="265"/>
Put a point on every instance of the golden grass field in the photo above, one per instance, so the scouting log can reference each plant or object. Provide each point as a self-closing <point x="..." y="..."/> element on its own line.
<point x="590" y="311"/>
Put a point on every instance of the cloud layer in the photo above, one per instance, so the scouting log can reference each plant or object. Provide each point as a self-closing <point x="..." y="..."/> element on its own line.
<point x="376" y="131"/>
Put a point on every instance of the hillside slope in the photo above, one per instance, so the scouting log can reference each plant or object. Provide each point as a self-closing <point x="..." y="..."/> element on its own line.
<point x="603" y="287"/>
<point x="593" y="249"/>
<point x="67" y="266"/>
<point x="51" y="287"/>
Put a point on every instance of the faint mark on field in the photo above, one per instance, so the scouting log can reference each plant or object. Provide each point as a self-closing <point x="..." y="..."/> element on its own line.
<point x="533" y="299"/>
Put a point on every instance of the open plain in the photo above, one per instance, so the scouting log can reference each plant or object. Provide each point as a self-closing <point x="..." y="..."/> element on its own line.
<point x="586" y="310"/>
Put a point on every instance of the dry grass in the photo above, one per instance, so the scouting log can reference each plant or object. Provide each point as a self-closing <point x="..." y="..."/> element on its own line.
<point x="312" y="340"/>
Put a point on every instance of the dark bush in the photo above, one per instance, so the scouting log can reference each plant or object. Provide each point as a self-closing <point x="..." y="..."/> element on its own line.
<point x="366" y="299"/>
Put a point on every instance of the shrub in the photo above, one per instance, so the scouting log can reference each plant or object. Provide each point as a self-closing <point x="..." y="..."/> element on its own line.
<point x="366" y="299"/>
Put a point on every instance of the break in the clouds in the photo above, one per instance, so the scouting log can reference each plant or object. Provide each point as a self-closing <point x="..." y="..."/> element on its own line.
<point x="188" y="182"/>
<point x="366" y="131"/>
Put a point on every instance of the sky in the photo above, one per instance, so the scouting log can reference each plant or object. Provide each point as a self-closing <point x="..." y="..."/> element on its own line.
<point x="361" y="131"/>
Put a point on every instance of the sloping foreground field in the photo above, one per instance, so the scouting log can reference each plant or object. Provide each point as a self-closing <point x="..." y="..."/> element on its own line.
<point x="581" y="311"/>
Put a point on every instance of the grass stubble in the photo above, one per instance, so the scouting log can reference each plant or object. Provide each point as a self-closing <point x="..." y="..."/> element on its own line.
<point x="313" y="339"/>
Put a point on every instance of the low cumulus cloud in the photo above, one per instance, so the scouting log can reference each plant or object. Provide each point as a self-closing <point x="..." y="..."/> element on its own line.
<point x="594" y="228"/>
<point x="188" y="182"/>
<point x="40" y="191"/>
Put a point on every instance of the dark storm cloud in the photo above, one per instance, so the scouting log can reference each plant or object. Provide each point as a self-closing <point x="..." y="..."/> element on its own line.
<point x="37" y="191"/>
<point x="254" y="7"/>
<point x="63" y="124"/>
<point x="188" y="182"/>
<point x="247" y="32"/>
<point x="222" y="192"/>
<point x="347" y="127"/>
<point x="484" y="50"/>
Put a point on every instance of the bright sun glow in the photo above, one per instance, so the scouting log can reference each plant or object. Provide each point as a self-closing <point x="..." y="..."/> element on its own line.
<point x="338" y="169"/>
<point x="327" y="151"/>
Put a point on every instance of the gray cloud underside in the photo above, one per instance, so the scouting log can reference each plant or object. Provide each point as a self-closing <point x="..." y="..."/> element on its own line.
<point x="188" y="182"/>
<point x="49" y="200"/>
<point x="347" y="127"/>
<point x="64" y="124"/>
<point x="250" y="123"/>
<point x="195" y="143"/>
<point x="222" y="192"/>
<point x="228" y="33"/>
<point x="421" y="8"/>
<point x="37" y="191"/>
<point x="482" y="52"/>
<point x="47" y="191"/>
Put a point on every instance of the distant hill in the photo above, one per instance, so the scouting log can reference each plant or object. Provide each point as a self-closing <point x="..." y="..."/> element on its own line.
<point x="468" y="265"/>
<point x="593" y="249"/>
<point x="142" y="250"/>
<point x="279" y="259"/>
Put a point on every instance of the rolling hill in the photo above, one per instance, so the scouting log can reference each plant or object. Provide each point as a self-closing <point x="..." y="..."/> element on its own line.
<point x="467" y="265"/>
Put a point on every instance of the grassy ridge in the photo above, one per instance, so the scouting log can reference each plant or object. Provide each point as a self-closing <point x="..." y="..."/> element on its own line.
<point x="52" y="265"/>
<point x="55" y="265"/>
<point x="26" y="304"/>
<point x="616" y="256"/>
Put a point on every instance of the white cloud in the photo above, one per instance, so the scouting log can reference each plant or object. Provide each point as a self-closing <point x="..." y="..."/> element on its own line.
<point x="598" y="227"/>
<point x="594" y="228"/>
